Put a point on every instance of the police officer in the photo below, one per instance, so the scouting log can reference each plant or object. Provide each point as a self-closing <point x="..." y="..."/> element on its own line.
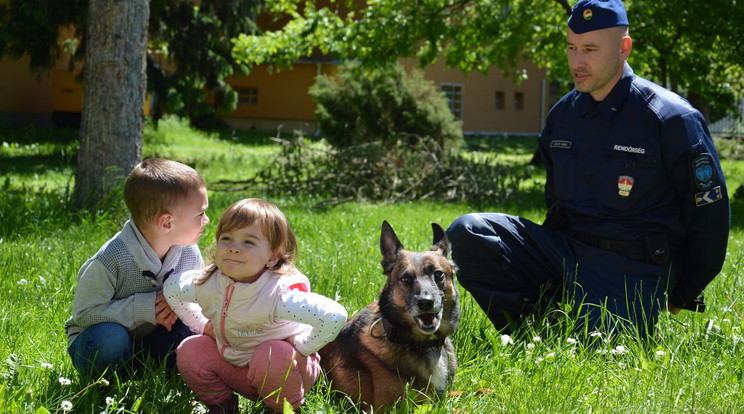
<point x="639" y="215"/>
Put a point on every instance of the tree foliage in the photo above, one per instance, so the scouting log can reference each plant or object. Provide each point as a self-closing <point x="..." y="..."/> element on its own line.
<point x="690" y="46"/>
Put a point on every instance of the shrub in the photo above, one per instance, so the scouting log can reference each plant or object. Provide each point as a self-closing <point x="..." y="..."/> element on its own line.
<point x="359" y="105"/>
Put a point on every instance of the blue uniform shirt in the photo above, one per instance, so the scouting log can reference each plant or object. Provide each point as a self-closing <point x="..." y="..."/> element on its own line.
<point x="640" y="162"/>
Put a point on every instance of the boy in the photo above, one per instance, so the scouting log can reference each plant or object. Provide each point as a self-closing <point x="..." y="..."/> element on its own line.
<point x="119" y="308"/>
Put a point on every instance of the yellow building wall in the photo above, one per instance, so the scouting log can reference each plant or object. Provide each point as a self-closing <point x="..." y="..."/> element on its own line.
<point x="479" y="113"/>
<point x="282" y="97"/>
<point x="21" y="91"/>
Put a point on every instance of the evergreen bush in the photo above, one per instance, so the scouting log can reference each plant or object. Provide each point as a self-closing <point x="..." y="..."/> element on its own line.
<point x="357" y="106"/>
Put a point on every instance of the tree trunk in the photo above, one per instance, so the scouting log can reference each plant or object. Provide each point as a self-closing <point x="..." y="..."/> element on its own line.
<point x="115" y="83"/>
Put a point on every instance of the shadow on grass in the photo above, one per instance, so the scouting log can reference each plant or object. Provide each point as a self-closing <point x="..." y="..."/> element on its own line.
<point x="506" y="144"/>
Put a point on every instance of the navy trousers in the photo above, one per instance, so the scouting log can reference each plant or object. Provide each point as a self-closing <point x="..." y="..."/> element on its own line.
<point x="511" y="266"/>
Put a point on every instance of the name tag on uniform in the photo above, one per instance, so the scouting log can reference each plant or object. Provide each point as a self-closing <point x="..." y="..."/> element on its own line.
<point x="561" y="144"/>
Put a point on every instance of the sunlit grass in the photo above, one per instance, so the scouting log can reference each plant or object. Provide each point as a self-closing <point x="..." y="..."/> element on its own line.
<point x="692" y="364"/>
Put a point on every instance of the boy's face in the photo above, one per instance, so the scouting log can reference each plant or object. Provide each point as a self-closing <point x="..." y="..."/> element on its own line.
<point x="189" y="218"/>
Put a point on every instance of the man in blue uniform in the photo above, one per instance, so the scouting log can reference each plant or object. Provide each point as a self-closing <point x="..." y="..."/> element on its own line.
<point x="639" y="215"/>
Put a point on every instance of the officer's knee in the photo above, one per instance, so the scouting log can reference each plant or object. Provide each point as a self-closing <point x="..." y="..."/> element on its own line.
<point x="461" y="228"/>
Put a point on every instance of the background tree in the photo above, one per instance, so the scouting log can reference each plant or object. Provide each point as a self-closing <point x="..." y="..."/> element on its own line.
<point x="189" y="47"/>
<point x="690" y="46"/>
<point x="192" y="37"/>
<point x="113" y="114"/>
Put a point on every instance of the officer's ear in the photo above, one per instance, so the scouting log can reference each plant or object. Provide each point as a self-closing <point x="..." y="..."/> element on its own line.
<point x="625" y="47"/>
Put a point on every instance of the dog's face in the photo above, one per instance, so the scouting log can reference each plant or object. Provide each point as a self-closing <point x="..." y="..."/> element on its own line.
<point x="419" y="294"/>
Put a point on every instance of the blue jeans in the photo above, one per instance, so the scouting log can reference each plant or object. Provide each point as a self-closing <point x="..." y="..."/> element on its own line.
<point x="108" y="348"/>
<point x="511" y="266"/>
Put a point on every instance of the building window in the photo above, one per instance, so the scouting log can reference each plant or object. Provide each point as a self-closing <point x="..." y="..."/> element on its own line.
<point x="499" y="101"/>
<point x="453" y="92"/>
<point x="518" y="101"/>
<point x="247" y="96"/>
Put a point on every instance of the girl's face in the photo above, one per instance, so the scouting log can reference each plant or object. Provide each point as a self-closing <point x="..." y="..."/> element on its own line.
<point x="244" y="253"/>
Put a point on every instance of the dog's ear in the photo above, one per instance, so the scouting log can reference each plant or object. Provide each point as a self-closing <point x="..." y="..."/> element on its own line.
<point x="389" y="246"/>
<point x="441" y="242"/>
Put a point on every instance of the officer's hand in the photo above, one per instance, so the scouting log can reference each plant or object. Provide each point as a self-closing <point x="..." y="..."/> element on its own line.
<point x="672" y="309"/>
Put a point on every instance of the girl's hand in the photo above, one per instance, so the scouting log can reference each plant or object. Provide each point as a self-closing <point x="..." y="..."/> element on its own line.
<point x="209" y="330"/>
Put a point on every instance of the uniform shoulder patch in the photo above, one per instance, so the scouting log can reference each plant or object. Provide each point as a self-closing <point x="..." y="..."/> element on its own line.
<point x="703" y="167"/>
<point x="708" y="197"/>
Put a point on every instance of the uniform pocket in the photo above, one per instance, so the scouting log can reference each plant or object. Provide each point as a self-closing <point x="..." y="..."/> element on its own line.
<point x="628" y="179"/>
<point x="563" y="153"/>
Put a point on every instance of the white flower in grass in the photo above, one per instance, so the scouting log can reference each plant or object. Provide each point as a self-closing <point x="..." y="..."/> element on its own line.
<point x="571" y="341"/>
<point x="550" y="356"/>
<point x="506" y="340"/>
<point x="530" y="347"/>
<point x="104" y="382"/>
<point x="619" y="350"/>
<point x="64" y="381"/>
<point x="660" y="353"/>
<point x="536" y="339"/>
<point x="66" y="406"/>
<point x="22" y="282"/>
<point x="47" y="365"/>
<point x="595" y="334"/>
<point x="109" y="401"/>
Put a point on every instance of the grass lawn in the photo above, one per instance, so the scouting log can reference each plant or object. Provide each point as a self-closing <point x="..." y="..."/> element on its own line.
<point x="693" y="364"/>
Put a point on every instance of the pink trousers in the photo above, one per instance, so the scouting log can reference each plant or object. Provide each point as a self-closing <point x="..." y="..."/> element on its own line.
<point x="276" y="371"/>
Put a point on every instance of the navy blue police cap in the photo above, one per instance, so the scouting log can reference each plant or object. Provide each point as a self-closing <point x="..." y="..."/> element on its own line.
<point x="588" y="15"/>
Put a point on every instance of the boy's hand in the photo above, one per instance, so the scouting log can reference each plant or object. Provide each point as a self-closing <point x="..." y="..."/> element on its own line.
<point x="164" y="315"/>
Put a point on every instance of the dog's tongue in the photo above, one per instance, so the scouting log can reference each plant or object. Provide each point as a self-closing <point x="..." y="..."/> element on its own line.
<point x="427" y="318"/>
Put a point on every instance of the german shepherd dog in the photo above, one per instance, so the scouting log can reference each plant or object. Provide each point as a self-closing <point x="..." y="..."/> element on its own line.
<point x="403" y="337"/>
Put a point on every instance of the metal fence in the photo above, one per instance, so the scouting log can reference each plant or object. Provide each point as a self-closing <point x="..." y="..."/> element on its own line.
<point x="732" y="125"/>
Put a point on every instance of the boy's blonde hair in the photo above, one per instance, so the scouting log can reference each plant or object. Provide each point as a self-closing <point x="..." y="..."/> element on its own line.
<point x="156" y="185"/>
<point x="273" y="225"/>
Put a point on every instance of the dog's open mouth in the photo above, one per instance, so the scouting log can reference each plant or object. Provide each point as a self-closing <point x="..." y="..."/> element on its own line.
<point x="428" y="322"/>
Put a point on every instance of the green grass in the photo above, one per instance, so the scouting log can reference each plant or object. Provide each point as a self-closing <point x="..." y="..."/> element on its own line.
<point x="692" y="365"/>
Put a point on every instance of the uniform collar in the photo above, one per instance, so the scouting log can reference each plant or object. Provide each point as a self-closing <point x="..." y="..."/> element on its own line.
<point x="614" y="99"/>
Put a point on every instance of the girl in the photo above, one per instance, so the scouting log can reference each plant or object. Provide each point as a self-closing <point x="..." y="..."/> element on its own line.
<point x="261" y="324"/>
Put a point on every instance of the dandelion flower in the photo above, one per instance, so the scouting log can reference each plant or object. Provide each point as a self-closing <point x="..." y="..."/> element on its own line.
<point x="64" y="381"/>
<point x="66" y="406"/>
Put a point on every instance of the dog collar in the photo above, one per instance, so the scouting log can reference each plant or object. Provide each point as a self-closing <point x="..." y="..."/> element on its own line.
<point x="397" y="336"/>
